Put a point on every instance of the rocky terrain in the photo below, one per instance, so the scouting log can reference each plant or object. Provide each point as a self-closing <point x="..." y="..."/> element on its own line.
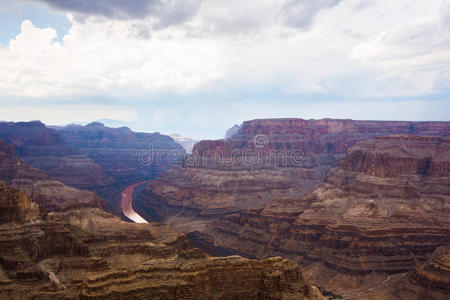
<point x="266" y="160"/>
<point x="45" y="149"/>
<point x="49" y="193"/>
<point x="354" y="228"/>
<point x="126" y="156"/>
<point x="87" y="253"/>
<point x="92" y="157"/>
<point x="384" y="211"/>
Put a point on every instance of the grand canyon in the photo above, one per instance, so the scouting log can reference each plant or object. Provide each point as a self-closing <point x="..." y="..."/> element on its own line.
<point x="279" y="209"/>
<point x="225" y="150"/>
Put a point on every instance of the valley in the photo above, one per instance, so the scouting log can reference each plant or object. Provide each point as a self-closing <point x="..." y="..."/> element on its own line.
<point x="358" y="209"/>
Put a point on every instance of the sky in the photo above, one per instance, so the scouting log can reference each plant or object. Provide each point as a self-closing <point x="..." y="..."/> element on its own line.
<point x="197" y="67"/>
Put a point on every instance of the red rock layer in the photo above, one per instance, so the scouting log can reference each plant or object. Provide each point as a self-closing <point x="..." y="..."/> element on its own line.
<point x="127" y="156"/>
<point x="86" y="253"/>
<point x="384" y="211"/>
<point x="266" y="161"/>
<point x="51" y="194"/>
<point x="45" y="149"/>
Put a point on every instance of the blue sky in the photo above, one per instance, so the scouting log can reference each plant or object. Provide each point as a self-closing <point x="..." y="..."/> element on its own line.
<point x="198" y="67"/>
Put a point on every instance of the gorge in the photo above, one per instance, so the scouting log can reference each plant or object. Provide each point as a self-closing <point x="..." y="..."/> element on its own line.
<point x="353" y="202"/>
<point x="357" y="209"/>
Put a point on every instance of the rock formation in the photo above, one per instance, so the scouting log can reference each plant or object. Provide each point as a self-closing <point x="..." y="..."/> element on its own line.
<point x="267" y="160"/>
<point x="86" y="253"/>
<point x="49" y="193"/>
<point x="384" y="211"/>
<point x="274" y="189"/>
<point x="45" y="149"/>
<point x="126" y="156"/>
<point x="16" y="206"/>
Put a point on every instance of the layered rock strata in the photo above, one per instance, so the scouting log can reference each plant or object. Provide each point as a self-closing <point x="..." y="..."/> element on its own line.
<point x="45" y="149"/>
<point x="266" y="160"/>
<point x="87" y="253"/>
<point x="126" y="156"/>
<point x="49" y="193"/>
<point x="384" y="211"/>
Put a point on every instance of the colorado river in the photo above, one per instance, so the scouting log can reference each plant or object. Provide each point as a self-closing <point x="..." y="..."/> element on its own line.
<point x="127" y="200"/>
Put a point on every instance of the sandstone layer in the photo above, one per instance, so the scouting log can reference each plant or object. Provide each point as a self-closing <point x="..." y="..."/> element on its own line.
<point x="275" y="188"/>
<point x="266" y="160"/>
<point x="87" y="253"/>
<point x="45" y="149"/>
<point x="126" y="156"/>
<point x="384" y="211"/>
<point x="49" y="193"/>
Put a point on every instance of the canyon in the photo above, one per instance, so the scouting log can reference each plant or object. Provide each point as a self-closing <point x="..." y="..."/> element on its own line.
<point x="360" y="205"/>
<point x="57" y="242"/>
<point x="299" y="208"/>
<point x="93" y="157"/>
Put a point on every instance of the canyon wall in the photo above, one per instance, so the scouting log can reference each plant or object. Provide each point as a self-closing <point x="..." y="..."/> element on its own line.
<point x="351" y="206"/>
<point x="87" y="253"/>
<point x="265" y="161"/>
<point x="45" y="149"/>
<point x="46" y="191"/>
<point x="92" y="157"/>
<point x="126" y="156"/>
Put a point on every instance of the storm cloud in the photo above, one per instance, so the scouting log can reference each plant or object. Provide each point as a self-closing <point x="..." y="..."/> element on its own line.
<point x="301" y="13"/>
<point x="166" y="12"/>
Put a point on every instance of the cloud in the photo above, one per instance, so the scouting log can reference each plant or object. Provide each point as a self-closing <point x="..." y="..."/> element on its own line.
<point x="291" y="47"/>
<point x="445" y="13"/>
<point x="412" y="58"/>
<point x="362" y="4"/>
<point x="104" y="58"/>
<point x="165" y="12"/>
<point x="301" y="13"/>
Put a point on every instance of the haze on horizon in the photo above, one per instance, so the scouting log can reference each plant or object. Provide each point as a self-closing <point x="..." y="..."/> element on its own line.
<point x="197" y="67"/>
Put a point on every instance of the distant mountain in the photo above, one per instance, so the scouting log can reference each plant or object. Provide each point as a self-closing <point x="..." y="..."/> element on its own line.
<point x="41" y="188"/>
<point x="232" y="131"/>
<point x="113" y="123"/>
<point x="186" y="142"/>
<point x="92" y="157"/>
<point x="45" y="149"/>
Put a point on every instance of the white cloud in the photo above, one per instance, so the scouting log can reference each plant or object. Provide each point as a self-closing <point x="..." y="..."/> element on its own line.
<point x="411" y="58"/>
<point x="298" y="47"/>
<point x="104" y="58"/>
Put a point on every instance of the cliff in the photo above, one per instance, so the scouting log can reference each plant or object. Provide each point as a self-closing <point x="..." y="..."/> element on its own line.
<point x="86" y="253"/>
<point x="16" y="206"/>
<point x="267" y="160"/>
<point x="126" y="156"/>
<point x="49" y="193"/>
<point x="352" y="207"/>
<point x="384" y="211"/>
<point x="45" y="149"/>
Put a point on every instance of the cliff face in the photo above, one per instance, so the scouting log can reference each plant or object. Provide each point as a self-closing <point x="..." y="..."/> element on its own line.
<point x="51" y="194"/>
<point x="86" y="253"/>
<point x="16" y="206"/>
<point x="266" y="161"/>
<point x="45" y="149"/>
<point x="127" y="156"/>
<point x="92" y="157"/>
<point x="384" y="211"/>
